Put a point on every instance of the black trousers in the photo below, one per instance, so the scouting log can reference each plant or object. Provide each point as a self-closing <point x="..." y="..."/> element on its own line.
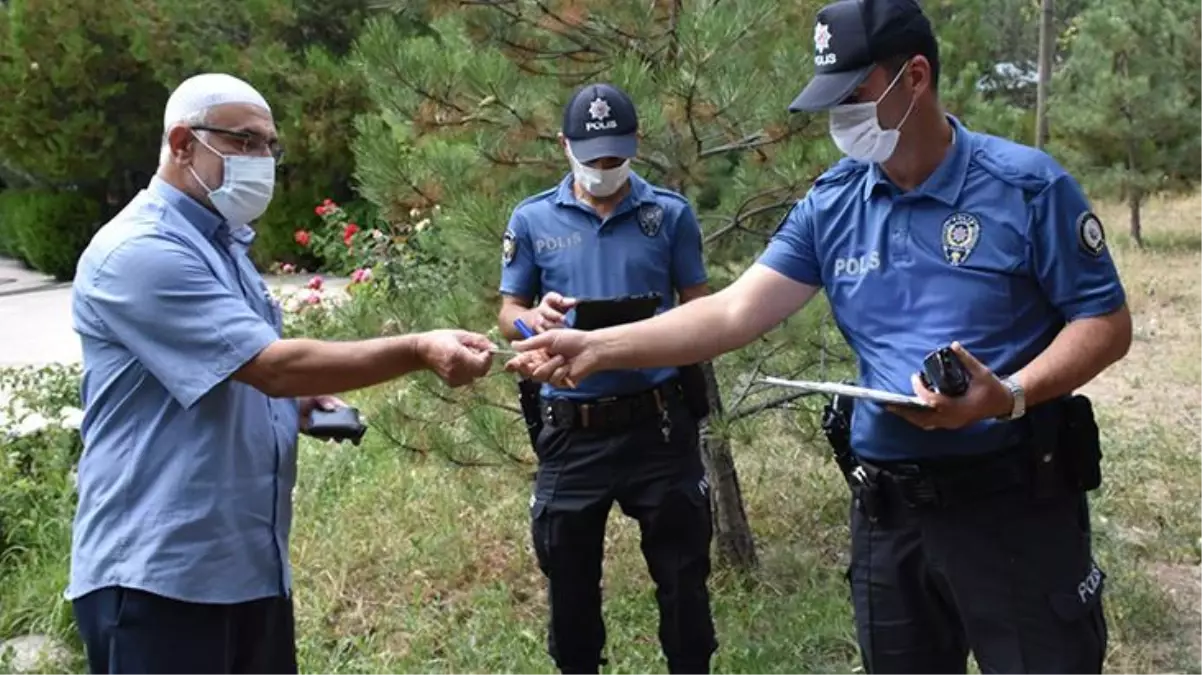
<point x="1010" y="576"/>
<point x="131" y="631"/>
<point x="660" y="484"/>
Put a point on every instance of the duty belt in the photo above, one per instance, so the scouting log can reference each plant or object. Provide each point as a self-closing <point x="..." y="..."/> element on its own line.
<point x="942" y="483"/>
<point x="610" y="412"/>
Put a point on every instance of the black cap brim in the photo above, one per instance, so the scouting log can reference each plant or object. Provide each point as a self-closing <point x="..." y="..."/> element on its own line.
<point x="586" y="150"/>
<point x="828" y="90"/>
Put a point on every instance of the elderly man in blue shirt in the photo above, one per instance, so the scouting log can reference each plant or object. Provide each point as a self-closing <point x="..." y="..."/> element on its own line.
<point x="193" y="403"/>
<point x="970" y="522"/>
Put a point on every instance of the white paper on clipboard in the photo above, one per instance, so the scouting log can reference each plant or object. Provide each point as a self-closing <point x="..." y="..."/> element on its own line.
<point x="848" y="390"/>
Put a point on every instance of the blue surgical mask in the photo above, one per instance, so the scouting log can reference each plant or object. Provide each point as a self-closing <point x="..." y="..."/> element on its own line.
<point x="246" y="188"/>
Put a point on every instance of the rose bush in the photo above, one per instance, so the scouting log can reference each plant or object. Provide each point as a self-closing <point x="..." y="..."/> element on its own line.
<point x="346" y="247"/>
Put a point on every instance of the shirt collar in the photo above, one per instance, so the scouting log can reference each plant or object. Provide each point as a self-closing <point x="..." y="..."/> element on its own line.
<point x="945" y="182"/>
<point x="209" y="224"/>
<point x="191" y="210"/>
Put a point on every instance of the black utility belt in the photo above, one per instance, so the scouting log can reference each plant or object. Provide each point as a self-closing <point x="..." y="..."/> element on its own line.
<point x="613" y="412"/>
<point x="942" y="483"/>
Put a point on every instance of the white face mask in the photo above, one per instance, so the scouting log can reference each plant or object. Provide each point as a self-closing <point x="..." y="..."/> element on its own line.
<point x="857" y="131"/>
<point x="599" y="182"/>
<point x="246" y="189"/>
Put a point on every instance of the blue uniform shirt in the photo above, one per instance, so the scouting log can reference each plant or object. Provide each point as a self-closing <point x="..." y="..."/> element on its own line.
<point x="186" y="479"/>
<point x="650" y="243"/>
<point x="997" y="249"/>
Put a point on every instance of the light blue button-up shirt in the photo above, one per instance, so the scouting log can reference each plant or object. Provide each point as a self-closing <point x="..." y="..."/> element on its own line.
<point x="185" y="483"/>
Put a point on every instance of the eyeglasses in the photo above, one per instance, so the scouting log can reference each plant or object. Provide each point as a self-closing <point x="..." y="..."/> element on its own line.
<point x="252" y="143"/>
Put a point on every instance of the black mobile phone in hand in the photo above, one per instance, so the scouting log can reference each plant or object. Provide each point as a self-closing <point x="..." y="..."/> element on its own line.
<point x="943" y="372"/>
<point x="340" y="424"/>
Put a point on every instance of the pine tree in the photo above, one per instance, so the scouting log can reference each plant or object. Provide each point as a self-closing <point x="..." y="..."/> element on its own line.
<point x="1124" y="107"/>
<point x="470" y="113"/>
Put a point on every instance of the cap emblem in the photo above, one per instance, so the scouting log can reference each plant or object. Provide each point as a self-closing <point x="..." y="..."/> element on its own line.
<point x="599" y="110"/>
<point x="822" y="42"/>
<point x="822" y="37"/>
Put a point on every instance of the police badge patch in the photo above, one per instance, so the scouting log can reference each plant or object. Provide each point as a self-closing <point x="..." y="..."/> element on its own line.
<point x="1090" y="233"/>
<point x="509" y="247"/>
<point x="961" y="231"/>
<point x="651" y="217"/>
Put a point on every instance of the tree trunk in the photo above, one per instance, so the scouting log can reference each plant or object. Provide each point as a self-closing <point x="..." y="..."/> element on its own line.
<point x="1136" y="228"/>
<point x="1045" y="74"/>
<point x="736" y="545"/>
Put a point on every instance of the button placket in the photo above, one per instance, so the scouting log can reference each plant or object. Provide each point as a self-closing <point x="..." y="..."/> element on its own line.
<point x="899" y="233"/>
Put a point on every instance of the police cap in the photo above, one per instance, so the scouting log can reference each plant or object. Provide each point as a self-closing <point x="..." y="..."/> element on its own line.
<point x="850" y="37"/>
<point x="600" y="121"/>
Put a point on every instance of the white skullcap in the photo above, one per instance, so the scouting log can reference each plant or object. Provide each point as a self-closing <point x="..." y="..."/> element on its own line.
<point x="201" y="92"/>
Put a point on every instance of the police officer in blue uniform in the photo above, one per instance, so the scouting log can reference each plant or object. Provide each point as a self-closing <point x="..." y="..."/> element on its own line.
<point x="970" y="525"/>
<point x="626" y="435"/>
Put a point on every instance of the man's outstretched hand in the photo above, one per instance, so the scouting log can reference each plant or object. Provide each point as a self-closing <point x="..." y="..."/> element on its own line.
<point x="559" y="357"/>
<point x="458" y="357"/>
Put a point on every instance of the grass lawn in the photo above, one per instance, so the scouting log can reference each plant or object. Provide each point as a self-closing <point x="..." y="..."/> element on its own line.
<point x="407" y="564"/>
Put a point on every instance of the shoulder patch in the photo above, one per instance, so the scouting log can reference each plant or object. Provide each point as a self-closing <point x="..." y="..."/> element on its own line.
<point x="1090" y="234"/>
<point x="509" y="247"/>
<point x="961" y="232"/>
<point x="651" y="218"/>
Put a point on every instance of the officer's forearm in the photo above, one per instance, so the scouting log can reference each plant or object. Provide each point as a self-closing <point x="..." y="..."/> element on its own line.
<point x="1082" y="350"/>
<point x="505" y="318"/>
<point x="691" y="333"/>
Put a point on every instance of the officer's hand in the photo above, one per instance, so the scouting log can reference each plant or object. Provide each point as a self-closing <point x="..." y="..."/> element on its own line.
<point x="456" y="356"/>
<point x="549" y="313"/>
<point x="571" y="358"/>
<point x="986" y="398"/>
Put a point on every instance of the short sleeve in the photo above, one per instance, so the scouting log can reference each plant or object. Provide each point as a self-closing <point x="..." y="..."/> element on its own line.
<point x="1068" y="253"/>
<point x="791" y="250"/>
<point x="519" y="274"/>
<point x="688" y="260"/>
<point x="163" y="303"/>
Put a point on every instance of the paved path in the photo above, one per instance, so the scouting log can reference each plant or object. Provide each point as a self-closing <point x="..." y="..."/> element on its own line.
<point x="35" y="315"/>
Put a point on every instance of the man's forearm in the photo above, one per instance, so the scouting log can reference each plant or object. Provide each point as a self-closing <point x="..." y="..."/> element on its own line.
<point x="1082" y="350"/>
<point x="304" y="367"/>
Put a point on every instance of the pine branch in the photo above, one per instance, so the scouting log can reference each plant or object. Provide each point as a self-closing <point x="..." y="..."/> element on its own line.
<point x="768" y="405"/>
<point x="741" y="215"/>
<point x="756" y="369"/>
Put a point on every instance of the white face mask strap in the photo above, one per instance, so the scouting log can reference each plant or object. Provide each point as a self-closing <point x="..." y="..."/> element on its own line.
<point x="196" y="135"/>
<point x="198" y="179"/>
<point x="896" y="79"/>
<point x="913" y="99"/>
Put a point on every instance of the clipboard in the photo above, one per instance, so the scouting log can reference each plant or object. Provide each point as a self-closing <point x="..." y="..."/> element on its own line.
<point x="849" y="390"/>
<point x="595" y="314"/>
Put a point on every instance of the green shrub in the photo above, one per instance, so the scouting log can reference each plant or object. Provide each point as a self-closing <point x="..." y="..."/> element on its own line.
<point x="8" y="239"/>
<point x="49" y="228"/>
<point x="40" y="446"/>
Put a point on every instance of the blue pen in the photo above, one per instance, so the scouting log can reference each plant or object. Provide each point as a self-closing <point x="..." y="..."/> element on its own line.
<point x="523" y="328"/>
<point x="527" y="333"/>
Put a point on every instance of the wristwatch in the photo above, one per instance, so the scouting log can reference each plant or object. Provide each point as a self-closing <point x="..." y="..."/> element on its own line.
<point x="1020" y="399"/>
